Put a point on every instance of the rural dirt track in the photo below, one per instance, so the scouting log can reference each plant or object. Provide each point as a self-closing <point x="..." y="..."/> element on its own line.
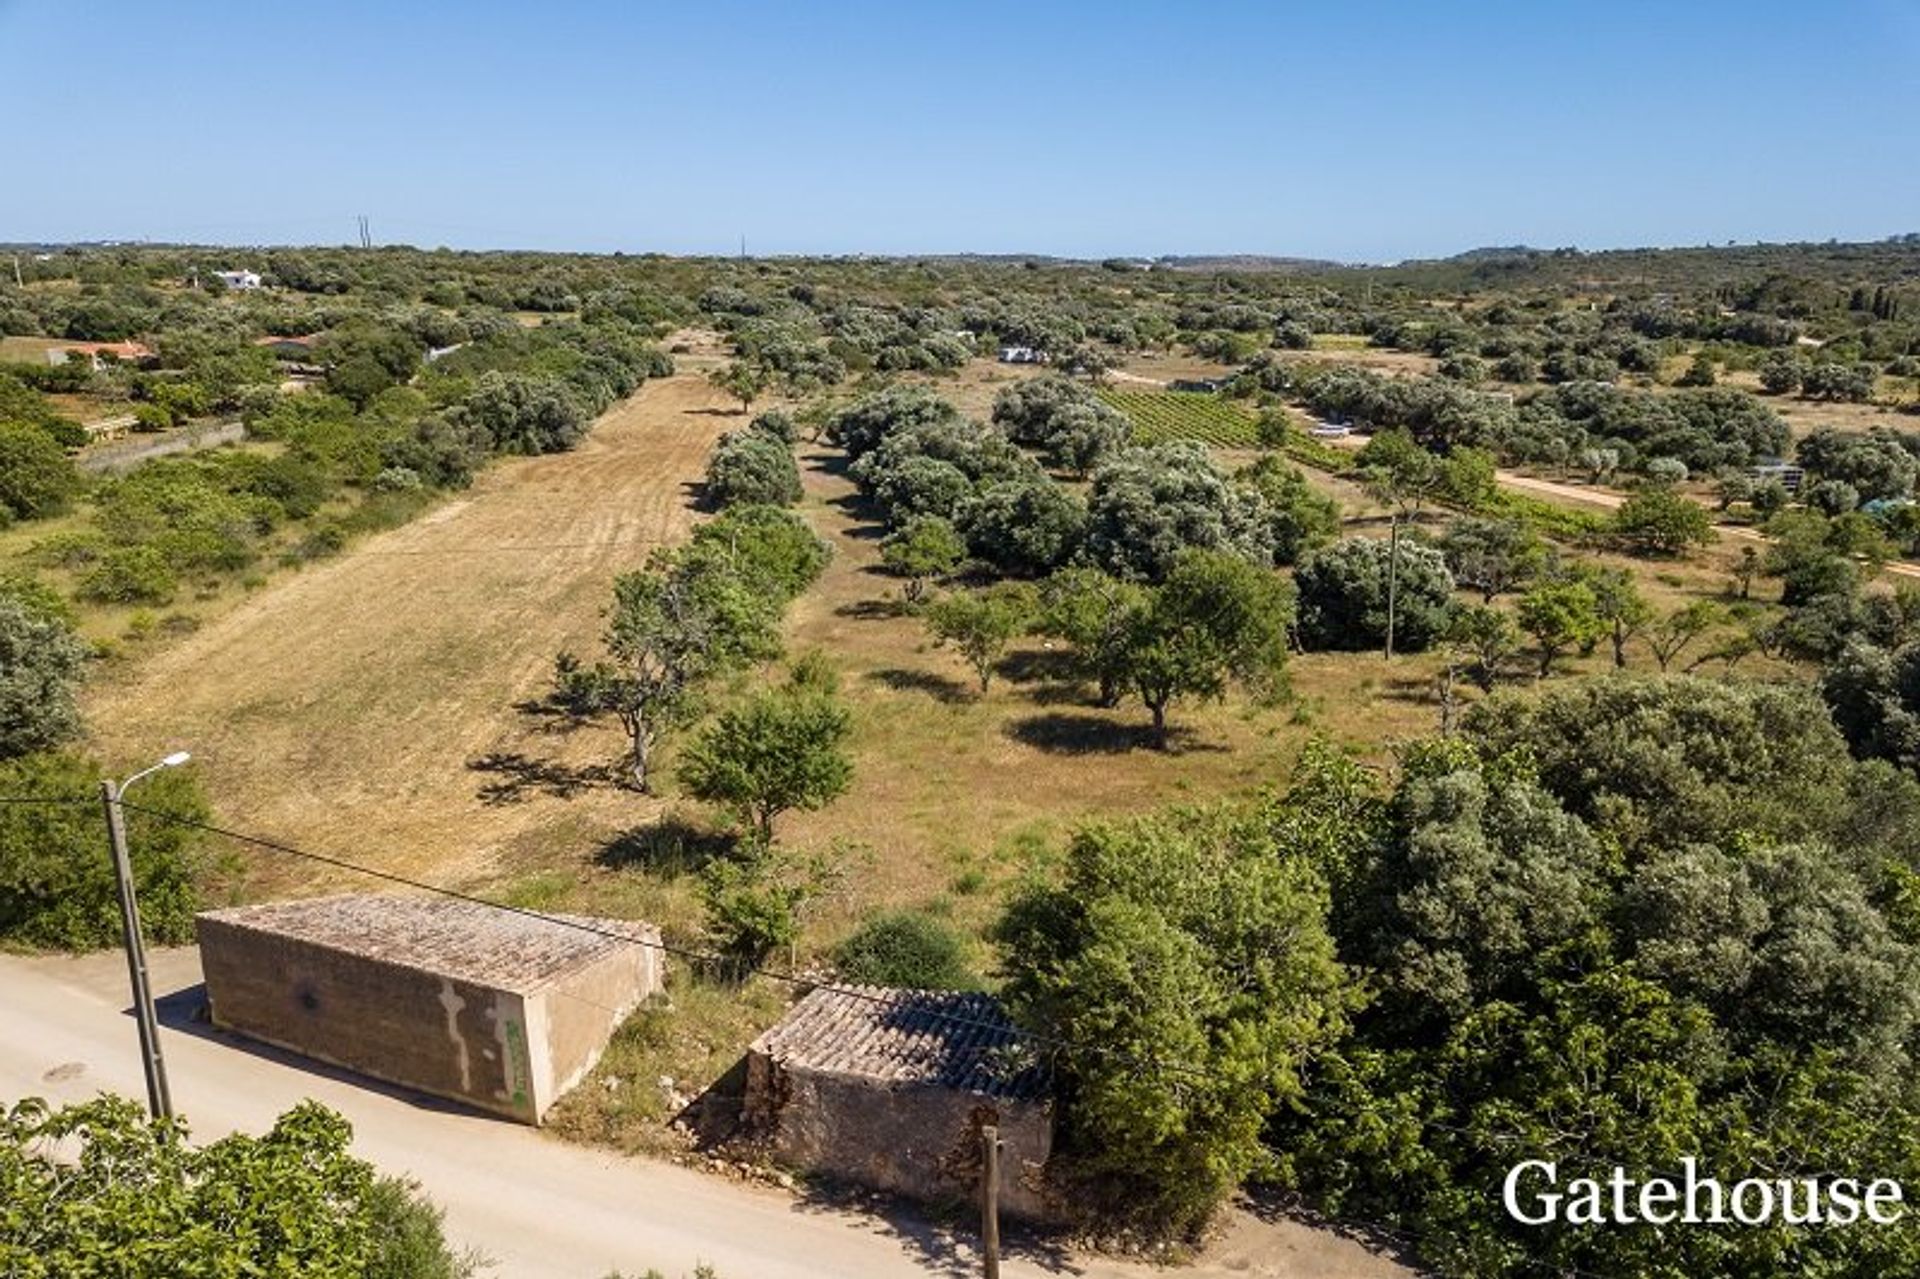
<point x="340" y="708"/>
<point x="1611" y="500"/>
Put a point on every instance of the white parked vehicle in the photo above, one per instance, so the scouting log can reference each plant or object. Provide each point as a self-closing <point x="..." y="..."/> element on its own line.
<point x="1328" y="431"/>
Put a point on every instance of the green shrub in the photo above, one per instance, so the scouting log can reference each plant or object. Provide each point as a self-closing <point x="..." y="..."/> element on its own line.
<point x="56" y="881"/>
<point x="136" y="1199"/>
<point x="37" y="478"/>
<point x="130" y="575"/>
<point x="1343" y="595"/>
<point x="752" y="467"/>
<point x="906" y="948"/>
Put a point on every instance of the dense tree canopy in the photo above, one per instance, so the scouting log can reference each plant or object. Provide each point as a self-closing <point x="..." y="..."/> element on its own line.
<point x="1343" y="595"/>
<point x="133" y="1196"/>
<point x="41" y="662"/>
<point x="1192" y="950"/>
<point x="56" y="880"/>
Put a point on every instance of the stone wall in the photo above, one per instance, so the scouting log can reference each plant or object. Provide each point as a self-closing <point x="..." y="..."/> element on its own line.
<point x="918" y="1140"/>
<point x="452" y="1038"/>
<point x="574" y="1014"/>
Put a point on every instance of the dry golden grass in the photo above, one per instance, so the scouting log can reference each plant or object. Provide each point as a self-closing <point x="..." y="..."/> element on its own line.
<point x="339" y="708"/>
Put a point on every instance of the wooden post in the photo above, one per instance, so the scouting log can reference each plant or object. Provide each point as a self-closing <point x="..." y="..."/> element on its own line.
<point x="990" y="1198"/>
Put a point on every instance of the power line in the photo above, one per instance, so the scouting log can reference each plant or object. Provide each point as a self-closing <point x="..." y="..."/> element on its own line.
<point x="1055" y="1044"/>
<point x="1051" y="1042"/>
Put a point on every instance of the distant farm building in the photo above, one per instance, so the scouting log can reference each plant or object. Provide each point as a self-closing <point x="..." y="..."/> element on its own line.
<point x="1204" y="385"/>
<point x="499" y="1010"/>
<point x="238" y="279"/>
<point x="1022" y="355"/>
<point x="889" y="1088"/>
<point x="1789" y="475"/>
<point x="100" y="354"/>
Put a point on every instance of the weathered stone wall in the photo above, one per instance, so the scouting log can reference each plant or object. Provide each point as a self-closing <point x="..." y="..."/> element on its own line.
<point x="917" y="1140"/>
<point x="576" y="1013"/>
<point x="452" y="1038"/>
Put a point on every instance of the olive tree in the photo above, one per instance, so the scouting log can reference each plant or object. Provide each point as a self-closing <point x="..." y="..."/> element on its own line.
<point x="1147" y="505"/>
<point x="1215" y="619"/>
<point x="677" y="622"/>
<point x="749" y="466"/>
<point x="1656" y="519"/>
<point x="1025" y="527"/>
<point x="1344" y="594"/>
<point x="922" y="549"/>
<point x="980" y="625"/>
<point x="41" y="663"/>
<point x="776" y="751"/>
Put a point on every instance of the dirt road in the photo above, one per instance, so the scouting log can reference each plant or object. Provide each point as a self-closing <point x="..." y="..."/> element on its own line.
<point x="540" y="1208"/>
<point x="409" y="652"/>
<point x="1608" y="499"/>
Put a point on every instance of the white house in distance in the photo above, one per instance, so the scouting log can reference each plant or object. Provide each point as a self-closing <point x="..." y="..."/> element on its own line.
<point x="238" y="279"/>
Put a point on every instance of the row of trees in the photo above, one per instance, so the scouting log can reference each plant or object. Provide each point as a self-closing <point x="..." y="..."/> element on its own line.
<point x="919" y="460"/>
<point x="1703" y="430"/>
<point x="196" y="518"/>
<point x="693" y="615"/>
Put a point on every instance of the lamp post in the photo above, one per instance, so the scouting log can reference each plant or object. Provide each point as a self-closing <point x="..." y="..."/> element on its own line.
<point x="159" y="1101"/>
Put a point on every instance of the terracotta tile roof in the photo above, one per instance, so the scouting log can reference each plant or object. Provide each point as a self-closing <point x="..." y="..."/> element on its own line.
<point x="905" y="1037"/>
<point x="441" y="935"/>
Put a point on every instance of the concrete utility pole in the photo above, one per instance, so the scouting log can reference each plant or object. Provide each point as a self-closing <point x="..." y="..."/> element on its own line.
<point x="990" y="1198"/>
<point x="159" y="1099"/>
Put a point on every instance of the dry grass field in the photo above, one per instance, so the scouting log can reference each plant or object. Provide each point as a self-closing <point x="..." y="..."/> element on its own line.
<point x="366" y="707"/>
<point x="340" y="708"/>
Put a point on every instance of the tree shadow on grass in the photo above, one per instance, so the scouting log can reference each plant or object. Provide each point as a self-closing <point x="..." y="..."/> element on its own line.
<point x="939" y="687"/>
<point x="1410" y="690"/>
<point x="671" y="846"/>
<point x="1064" y="733"/>
<point x="517" y="776"/>
<point x="1047" y="676"/>
<point x="549" y="717"/>
<point x="1034" y="665"/>
<point x="874" y="610"/>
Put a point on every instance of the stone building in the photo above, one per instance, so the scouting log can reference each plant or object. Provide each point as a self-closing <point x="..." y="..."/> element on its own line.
<point x="499" y="1010"/>
<point x="888" y="1089"/>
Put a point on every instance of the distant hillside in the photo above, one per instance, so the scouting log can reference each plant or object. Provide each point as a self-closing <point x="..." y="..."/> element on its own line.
<point x="1244" y="262"/>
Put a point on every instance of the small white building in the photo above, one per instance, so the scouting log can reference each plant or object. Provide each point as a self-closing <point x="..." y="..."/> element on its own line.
<point x="238" y="279"/>
<point x="1022" y="355"/>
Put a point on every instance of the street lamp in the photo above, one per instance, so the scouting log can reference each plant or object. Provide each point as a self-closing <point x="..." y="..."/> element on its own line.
<point x="159" y="1101"/>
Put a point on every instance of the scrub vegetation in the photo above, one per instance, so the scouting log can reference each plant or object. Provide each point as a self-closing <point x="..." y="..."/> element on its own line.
<point x="1484" y="724"/>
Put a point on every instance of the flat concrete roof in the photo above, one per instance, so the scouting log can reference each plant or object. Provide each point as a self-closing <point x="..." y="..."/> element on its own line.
<point x="949" y="1039"/>
<point x="443" y="935"/>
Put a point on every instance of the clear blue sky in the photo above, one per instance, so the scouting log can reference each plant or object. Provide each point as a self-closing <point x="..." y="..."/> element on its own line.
<point x="1362" y="131"/>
